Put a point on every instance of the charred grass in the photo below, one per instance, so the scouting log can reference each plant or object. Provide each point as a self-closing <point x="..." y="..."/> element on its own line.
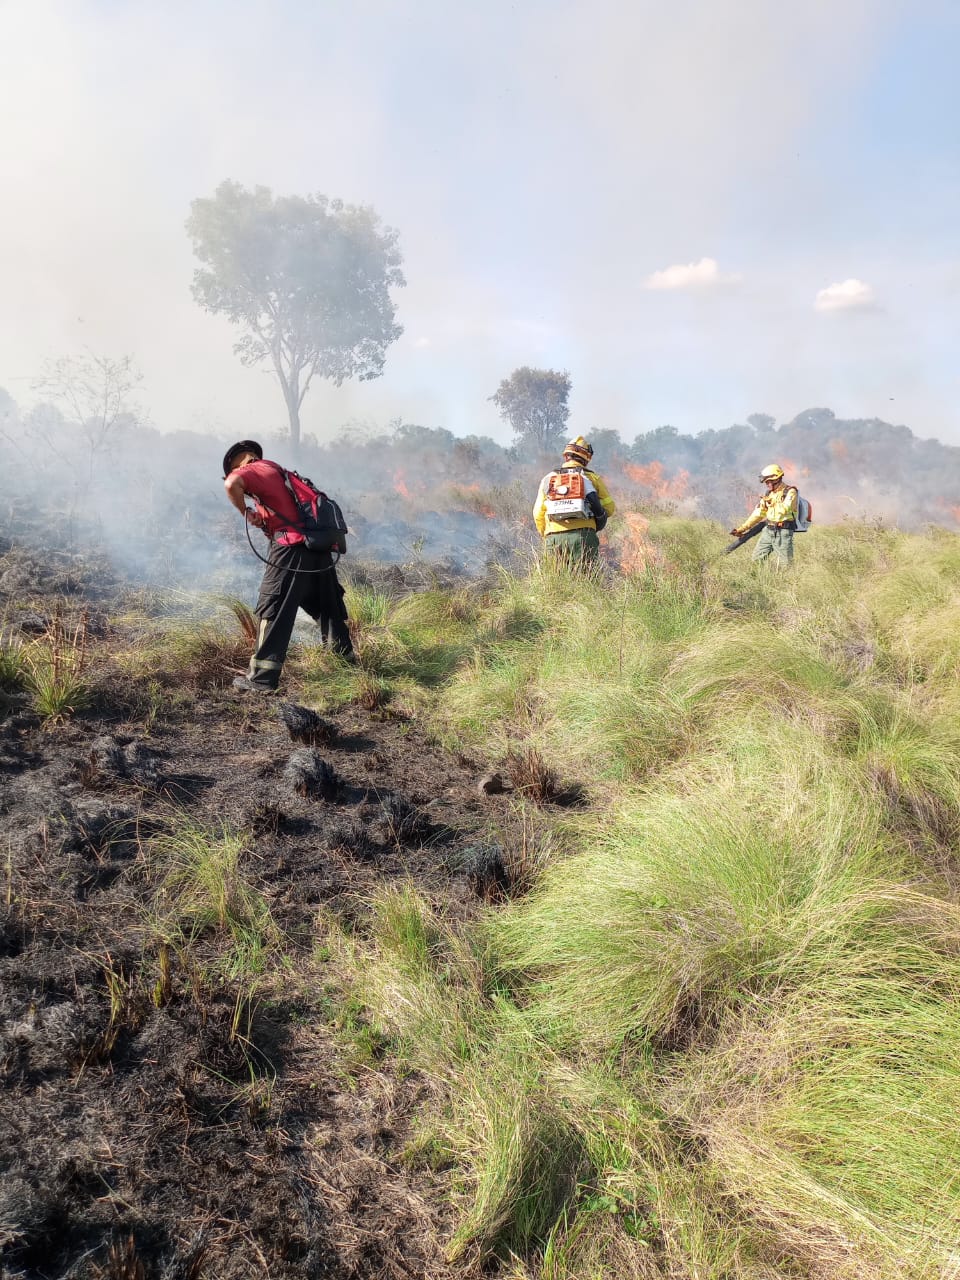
<point x="178" y="1095"/>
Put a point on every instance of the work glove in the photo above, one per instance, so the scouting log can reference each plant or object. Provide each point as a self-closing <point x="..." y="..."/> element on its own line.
<point x="734" y="533"/>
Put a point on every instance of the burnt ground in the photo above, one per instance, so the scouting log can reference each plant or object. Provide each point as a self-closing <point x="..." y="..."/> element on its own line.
<point x="160" y="1118"/>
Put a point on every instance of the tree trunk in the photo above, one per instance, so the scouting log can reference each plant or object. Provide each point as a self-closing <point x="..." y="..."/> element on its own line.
<point x="292" y="397"/>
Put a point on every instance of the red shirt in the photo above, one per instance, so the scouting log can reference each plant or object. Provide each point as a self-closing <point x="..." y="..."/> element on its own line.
<point x="264" y="483"/>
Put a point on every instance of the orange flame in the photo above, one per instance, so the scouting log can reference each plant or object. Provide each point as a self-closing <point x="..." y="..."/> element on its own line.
<point x="470" y="492"/>
<point x="652" y="477"/>
<point x="636" y="552"/>
<point x="792" y="471"/>
<point x="400" y="484"/>
<point x="838" y="450"/>
<point x="954" y="509"/>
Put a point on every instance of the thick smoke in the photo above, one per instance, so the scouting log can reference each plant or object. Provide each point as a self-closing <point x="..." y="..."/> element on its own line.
<point x="154" y="502"/>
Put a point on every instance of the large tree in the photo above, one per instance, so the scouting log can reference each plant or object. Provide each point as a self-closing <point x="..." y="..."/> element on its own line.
<point x="307" y="279"/>
<point x="534" y="402"/>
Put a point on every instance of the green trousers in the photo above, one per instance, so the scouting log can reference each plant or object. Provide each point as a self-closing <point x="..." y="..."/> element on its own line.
<point x="777" y="543"/>
<point x="575" y="547"/>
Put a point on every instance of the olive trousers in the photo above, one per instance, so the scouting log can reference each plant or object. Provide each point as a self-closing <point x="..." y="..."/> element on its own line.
<point x="574" y="547"/>
<point x="777" y="543"/>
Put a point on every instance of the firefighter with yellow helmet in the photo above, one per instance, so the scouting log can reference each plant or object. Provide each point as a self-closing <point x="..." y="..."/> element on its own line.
<point x="572" y="504"/>
<point x="777" y="510"/>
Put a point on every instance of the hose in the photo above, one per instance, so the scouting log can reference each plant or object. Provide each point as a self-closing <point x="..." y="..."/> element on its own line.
<point x="325" y="569"/>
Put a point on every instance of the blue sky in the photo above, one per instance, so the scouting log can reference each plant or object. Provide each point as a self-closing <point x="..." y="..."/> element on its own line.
<point x="701" y="210"/>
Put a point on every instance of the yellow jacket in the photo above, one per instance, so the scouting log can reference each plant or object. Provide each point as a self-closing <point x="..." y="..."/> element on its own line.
<point x="545" y="526"/>
<point x="776" y="507"/>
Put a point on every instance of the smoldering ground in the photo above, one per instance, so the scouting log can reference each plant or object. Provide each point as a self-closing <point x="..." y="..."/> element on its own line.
<point x="185" y="1090"/>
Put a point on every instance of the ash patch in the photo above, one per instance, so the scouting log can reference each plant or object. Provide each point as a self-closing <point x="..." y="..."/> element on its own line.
<point x="484" y="867"/>
<point x="163" y="1122"/>
<point x="98" y="829"/>
<point x="111" y="761"/>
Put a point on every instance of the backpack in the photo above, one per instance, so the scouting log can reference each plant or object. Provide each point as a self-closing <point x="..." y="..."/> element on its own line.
<point x="804" y="514"/>
<point x="570" y="494"/>
<point x="321" y="520"/>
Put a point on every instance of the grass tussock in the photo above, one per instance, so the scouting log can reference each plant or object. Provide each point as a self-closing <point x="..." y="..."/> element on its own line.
<point x="12" y="667"/>
<point x="54" y="668"/>
<point x="830" y="1114"/>
<point x="195" y="648"/>
<point x="205" y="894"/>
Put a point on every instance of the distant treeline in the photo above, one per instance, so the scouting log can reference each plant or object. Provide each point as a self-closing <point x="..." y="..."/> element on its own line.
<point x="859" y="469"/>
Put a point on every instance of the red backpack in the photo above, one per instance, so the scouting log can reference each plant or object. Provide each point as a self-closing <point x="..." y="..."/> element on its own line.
<point x="320" y="519"/>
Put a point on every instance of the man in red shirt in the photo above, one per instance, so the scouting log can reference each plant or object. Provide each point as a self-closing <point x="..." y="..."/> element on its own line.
<point x="295" y="578"/>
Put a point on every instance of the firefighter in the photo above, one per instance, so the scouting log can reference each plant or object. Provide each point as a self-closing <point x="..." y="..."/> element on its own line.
<point x="777" y="510"/>
<point x="572" y="504"/>
<point x="294" y="578"/>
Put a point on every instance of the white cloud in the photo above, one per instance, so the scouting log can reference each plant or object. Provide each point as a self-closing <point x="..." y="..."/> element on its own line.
<point x="848" y="295"/>
<point x="423" y="342"/>
<point x="704" y="274"/>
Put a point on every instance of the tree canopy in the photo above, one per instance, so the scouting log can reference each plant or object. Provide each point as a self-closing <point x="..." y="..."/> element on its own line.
<point x="307" y="279"/>
<point x="534" y="403"/>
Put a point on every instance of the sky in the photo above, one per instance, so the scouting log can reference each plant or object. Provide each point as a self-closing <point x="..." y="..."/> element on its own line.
<point x="700" y="210"/>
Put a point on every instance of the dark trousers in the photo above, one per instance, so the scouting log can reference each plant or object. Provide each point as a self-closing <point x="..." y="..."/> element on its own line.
<point x="282" y="592"/>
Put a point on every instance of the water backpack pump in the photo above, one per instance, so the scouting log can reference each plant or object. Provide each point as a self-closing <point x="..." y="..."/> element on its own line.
<point x="320" y="522"/>
<point x="804" y="514"/>
<point x="570" y="494"/>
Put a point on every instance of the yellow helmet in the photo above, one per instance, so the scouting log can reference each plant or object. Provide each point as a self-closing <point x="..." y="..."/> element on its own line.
<point x="579" y="450"/>
<point x="773" y="472"/>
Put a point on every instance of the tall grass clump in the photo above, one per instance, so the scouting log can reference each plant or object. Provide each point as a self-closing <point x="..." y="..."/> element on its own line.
<point x="204" y="891"/>
<point x="578" y="668"/>
<point x="13" y="673"/>
<point x="911" y="757"/>
<point x="199" y="650"/>
<point x="54" y="668"/>
<point x="435" y="631"/>
<point x="425" y="989"/>
<point x="743" y="669"/>
<point x="688" y="902"/>
<point x="829" y="1113"/>
<point x="525" y="1156"/>
<point x="493" y="693"/>
<point x="419" y="978"/>
<point x="367" y="607"/>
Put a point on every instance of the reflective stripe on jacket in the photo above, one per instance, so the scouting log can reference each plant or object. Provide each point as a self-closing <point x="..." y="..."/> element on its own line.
<point x="546" y="525"/>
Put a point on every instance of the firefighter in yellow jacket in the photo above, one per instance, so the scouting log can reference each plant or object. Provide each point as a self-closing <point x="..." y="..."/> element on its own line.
<point x="777" y="510"/>
<point x="572" y="504"/>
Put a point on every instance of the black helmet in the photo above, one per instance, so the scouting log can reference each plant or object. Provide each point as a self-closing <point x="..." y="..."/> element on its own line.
<point x="242" y="446"/>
